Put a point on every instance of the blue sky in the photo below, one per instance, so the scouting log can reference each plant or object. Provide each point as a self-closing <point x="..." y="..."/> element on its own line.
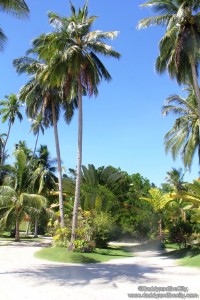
<point x="123" y="126"/>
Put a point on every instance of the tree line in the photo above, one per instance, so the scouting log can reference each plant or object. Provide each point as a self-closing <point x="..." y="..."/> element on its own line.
<point x="64" y="66"/>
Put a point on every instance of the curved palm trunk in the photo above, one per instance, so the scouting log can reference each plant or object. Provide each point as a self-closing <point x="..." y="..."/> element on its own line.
<point x="195" y="84"/>
<point x="36" y="143"/>
<point x="79" y="163"/>
<point x="4" y="146"/>
<point x="62" y="223"/>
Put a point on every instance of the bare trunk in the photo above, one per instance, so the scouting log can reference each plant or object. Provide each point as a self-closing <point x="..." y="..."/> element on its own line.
<point x="27" y="228"/>
<point x="36" y="144"/>
<point x="36" y="227"/>
<point x="17" y="238"/>
<point x="62" y="223"/>
<point x="160" y="230"/>
<point x="195" y="84"/>
<point x="79" y="164"/>
<point x="4" y="146"/>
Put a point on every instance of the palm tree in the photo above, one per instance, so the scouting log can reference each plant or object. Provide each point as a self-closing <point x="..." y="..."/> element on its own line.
<point x="36" y="127"/>
<point x="99" y="187"/>
<point x="16" y="199"/>
<point x="9" y="111"/>
<point x="17" y="8"/>
<point x="44" y="179"/>
<point x="158" y="201"/>
<point x="2" y="143"/>
<point x="45" y="169"/>
<point x="190" y="198"/>
<point x="183" y="138"/>
<point x="175" y="179"/>
<point x="179" y="48"/>
<point x="72" y="54"/>
<point x="42" y="99"/>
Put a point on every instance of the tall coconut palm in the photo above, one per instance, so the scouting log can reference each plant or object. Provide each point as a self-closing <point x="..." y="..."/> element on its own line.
<point x="74" y="64"/>
<point x="16" y="197"/>
<point x="183" y="138"/>
<point x="179" y="48"/>
<point x="10" y="111"/>
<point x="37" y="127"/>
<point x="17" y="8"/>
<point x="42" y="99"/>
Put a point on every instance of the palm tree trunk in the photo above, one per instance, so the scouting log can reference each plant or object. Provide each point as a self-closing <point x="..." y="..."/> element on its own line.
<point x="160" y="230"/>
<point x="4" y="146"/>
<point x="62" y="223"/>
<point x="36" y="143"/>
<point x="27" y="227"/>
<point x="195" y="84"/>
<point x="79" y="164"/>
<point x="17" y="238"/>
<point x="36" y="227"/>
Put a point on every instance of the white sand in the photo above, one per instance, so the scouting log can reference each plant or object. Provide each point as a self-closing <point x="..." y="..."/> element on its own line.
<point x="23" y="277"/>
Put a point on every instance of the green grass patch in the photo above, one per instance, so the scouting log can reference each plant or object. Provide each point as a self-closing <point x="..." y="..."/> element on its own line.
<point x="171" y="246"/>
<point x="186" y="257"/>
<point x="5" y="236"/>
<point x="99" y="255"/>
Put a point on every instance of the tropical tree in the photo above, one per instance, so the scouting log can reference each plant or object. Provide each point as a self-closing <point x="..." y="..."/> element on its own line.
<point x="175" y="178"/>
<point x="183" y="138"/>
<point x="2" y="143"/>
<point x="41" y="99"/>
<point x="16" y="198"/>
<point x="158" y="201"/>
<point x="72" y="50"/>
<point x="192" y="194"/>
<point x="37" y="127"/>
<point x="179" y="48"/>
<point x="45" y="169"/>
<point x="10" y="110"/>
<point x="17" y="8"/>
<point x="98" y="190"/>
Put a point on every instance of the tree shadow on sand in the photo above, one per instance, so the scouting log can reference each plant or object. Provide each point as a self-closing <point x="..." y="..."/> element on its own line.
<point x="81" y="275"/>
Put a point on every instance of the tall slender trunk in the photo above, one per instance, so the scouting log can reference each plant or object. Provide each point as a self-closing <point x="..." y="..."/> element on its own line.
<point x="79" y="164"/>
<point x="17" y="238"/>
<point x="27" y="227"/>
<point x="36" y="143"/>
<point x="36" y="227"/>
<point x="195" y="85"/>
<point x="160" y="230"/>
<point x="6" y="140"/>
<point x="62" y="223"/>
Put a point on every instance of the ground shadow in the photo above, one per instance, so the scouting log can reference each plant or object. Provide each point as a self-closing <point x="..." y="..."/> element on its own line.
<point x="182" y="253"/>
<point x="148" y="246"/>
<point x="81" y="275"/>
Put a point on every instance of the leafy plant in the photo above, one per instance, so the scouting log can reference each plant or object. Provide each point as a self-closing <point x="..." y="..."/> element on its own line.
<point x="180" y="233"/>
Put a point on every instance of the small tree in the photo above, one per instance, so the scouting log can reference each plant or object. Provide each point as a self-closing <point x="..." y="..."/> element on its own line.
<point x="16" y="199"/>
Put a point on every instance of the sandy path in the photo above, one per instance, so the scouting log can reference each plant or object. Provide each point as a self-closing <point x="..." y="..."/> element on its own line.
<point x="23" y="277"/>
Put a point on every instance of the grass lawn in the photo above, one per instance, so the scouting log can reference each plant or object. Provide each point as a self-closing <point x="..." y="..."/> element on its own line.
<point x="185" y="257"/>
<point x="5" y="236"/>
<point x="99" y="255"/>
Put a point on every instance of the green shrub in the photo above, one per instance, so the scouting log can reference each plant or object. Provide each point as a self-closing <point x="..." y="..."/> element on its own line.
<point x="84" y="246"/>
<point x="61" y="237"/>
<point x="180" y="233"/>
<point x="103" y="229"/>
